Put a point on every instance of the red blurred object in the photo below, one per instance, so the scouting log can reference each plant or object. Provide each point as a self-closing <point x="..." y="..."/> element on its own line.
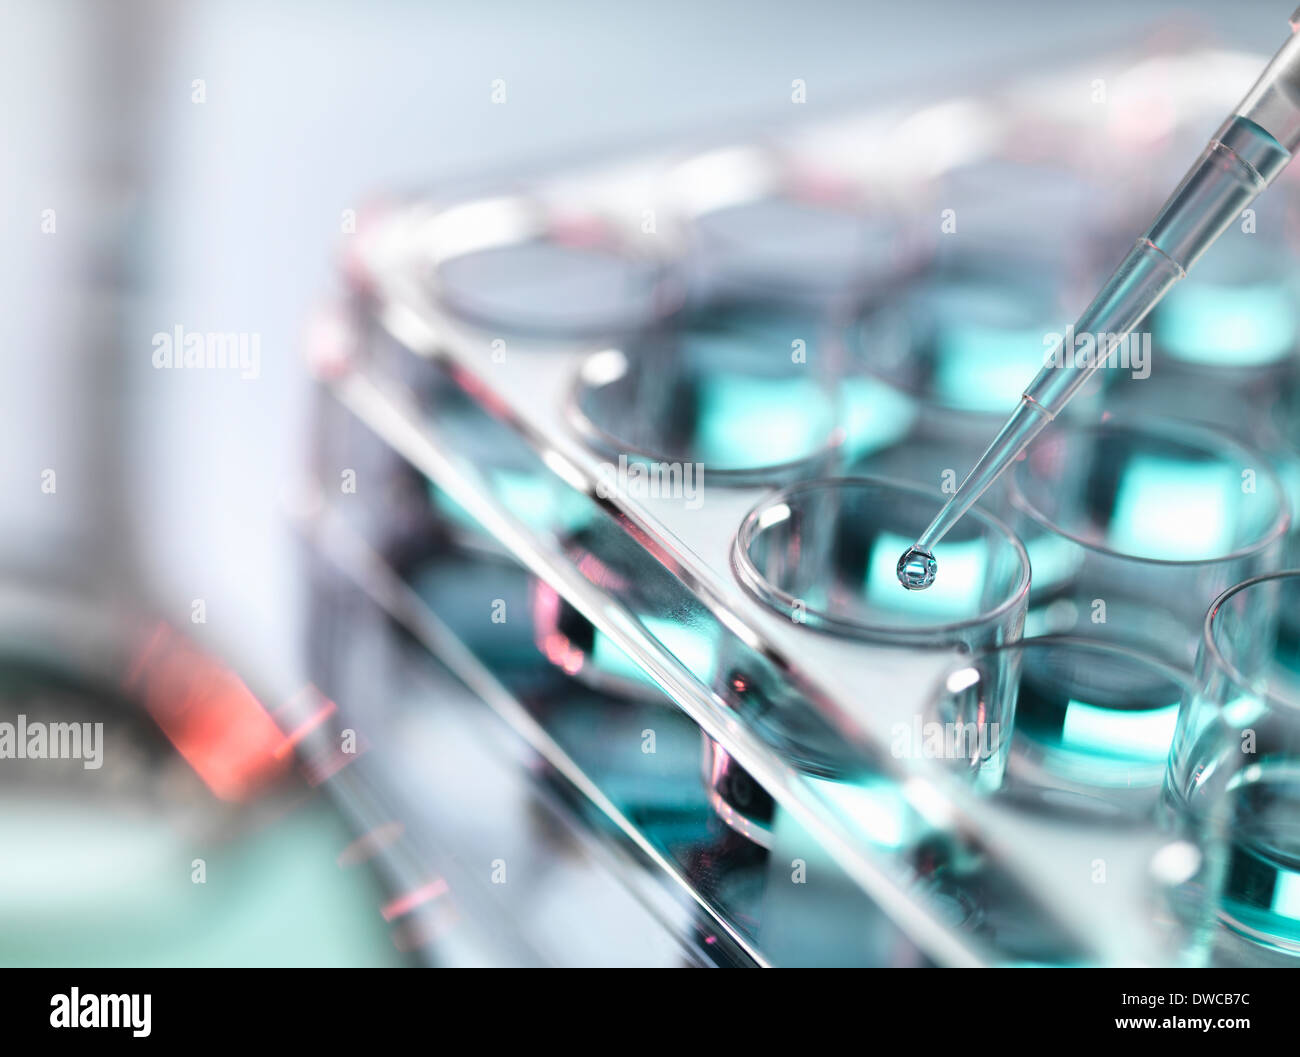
<point x="404" y="904"/>
<point x="207" y="712"/>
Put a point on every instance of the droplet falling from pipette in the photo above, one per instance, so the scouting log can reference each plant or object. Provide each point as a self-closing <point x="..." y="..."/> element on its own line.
<point x="917" y="569"/>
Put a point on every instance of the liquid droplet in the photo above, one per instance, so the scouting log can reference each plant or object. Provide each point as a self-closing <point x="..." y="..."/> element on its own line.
<point x="917" y="569"/>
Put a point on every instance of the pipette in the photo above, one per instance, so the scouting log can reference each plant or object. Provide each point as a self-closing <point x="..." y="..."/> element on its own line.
<point x="1246" y="154"/>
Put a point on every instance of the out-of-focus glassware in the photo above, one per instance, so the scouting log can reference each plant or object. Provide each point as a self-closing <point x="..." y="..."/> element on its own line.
<point x="1223" y="343"/>
<point x="1134" y="528"/>
<point x="737" y="394"/>
<point x="1282" y="442"/>
<point x="1000" y="204"/>
<point x="1234" y="771"/>
<point x="755" y="222"/>
<point x="930" y="373"/>
<point x="514" y="265"/>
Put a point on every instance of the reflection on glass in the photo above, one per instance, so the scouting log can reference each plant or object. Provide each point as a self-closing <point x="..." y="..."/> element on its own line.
<point x="1234" y="772"/>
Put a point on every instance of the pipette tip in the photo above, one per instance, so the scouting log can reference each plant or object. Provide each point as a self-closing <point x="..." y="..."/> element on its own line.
<point x="917" y="569"/>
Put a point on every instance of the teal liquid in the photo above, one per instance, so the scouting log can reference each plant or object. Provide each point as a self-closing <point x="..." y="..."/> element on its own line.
<point x="1261" y="887"/>
<point x="1113" y="741"/>
<point x="1256" y="810"/>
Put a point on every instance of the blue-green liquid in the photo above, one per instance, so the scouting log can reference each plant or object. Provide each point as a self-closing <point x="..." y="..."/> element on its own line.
<point x="1112" y="741"/>
<point x="1261" y="887"/>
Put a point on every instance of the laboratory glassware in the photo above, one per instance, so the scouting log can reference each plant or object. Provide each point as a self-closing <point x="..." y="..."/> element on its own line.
<point x="1234" y="770"/>
<point x="1246" y="154"/>
<point x="1134" y="527"/>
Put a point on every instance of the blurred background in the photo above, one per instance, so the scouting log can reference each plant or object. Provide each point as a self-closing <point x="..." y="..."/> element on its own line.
<point x="190" y="164"/>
